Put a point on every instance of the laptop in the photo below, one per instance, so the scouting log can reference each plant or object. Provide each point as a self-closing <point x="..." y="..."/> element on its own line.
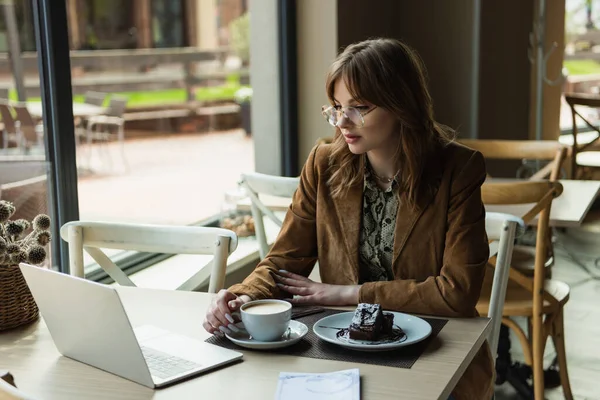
<point x="88" y="323"/>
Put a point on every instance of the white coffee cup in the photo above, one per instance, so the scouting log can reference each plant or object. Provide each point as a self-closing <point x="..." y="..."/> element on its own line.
<point x="266" y="320"/>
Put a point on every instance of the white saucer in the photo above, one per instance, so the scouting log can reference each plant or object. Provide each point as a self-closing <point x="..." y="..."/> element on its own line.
<point x="295" y="332"/>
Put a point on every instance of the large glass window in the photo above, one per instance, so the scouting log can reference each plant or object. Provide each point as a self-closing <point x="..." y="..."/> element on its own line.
<point x="24" y="19"/>
<point x="158" y="107"/>
<point x="161" y="112"/>
<point x="24" y="168"/>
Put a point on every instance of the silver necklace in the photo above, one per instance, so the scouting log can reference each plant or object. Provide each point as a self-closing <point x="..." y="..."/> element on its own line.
<point x="383" y="178"/>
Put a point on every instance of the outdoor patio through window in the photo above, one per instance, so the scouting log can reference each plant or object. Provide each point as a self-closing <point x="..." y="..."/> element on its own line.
<point x="160" y="140"/>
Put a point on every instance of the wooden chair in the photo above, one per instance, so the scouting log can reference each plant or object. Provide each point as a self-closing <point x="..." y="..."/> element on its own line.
<point x="538" y="150"/>
<point x="92" y="236"/>
<point x="538" y="299"/>
<point x="586" y="146"/>
<point x="270" y="185"/>
<point x="541" y="150"/>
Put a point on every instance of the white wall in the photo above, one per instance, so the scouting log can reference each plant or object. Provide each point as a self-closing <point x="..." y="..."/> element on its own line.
<point x="317" y="48"/>
<point x="264" y="78"/>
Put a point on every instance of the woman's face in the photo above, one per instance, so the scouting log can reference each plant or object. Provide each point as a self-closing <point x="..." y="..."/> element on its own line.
<point x="379" y="132"/>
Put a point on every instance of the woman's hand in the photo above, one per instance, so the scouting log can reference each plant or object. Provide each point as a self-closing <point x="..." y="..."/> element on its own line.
<point x="218" y="318"/>
<point x="310" y="292"/>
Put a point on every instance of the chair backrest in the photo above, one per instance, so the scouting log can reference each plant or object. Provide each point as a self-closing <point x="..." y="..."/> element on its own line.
<point x="540" y="194"/>
<point x="95" y="98"/>
<point x="501" y="230"/>
<point x="92" y="236"/>
<point x="117" y="106"/>
<point x="541" y="150"/>
<point x="23" y="114"/>
<point x="7" y="117"/>
<point x="257" y="184"/>
<point x="26" y="123"/>
<point x="583" y="100"/>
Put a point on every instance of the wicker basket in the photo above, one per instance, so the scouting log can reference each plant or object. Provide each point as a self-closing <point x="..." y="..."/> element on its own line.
<point x="17" y="306"/>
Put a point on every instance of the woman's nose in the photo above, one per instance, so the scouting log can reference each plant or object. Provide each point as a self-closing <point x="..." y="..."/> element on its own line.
<point x="344" y="121"/>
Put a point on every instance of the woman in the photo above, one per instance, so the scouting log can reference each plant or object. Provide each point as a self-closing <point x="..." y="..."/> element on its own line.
<point x="391" y="209"/>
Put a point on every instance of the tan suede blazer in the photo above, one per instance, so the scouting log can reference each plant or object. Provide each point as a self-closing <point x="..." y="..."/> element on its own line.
<point x="440" y="251"/>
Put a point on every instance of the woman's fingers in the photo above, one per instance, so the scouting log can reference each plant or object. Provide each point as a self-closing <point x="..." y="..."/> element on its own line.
<point x="218" y="318"/>
<point x="208" y="327"/>
<point x="224" y="314"/>
<point x="211" y="324"/>
<point x="292" y="282"/>
<point x="303" y="300"/>
<point x="297" y="290"/>
<point x="292" y="275"/>
<point x="218" y="312"/>
<point x="221" y="307"/>
<point x="235" y="304"/>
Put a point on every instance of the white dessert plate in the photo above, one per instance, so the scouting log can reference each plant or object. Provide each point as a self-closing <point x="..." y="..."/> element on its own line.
<point x="334" y="329"/>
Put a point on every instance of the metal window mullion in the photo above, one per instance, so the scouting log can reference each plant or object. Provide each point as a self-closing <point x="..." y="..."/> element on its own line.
<point x="288" y="85"/>
<point x="52" y="42"/>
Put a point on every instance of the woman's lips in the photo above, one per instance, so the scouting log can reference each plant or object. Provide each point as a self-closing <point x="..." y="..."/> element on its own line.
<point x="351" y="138"/>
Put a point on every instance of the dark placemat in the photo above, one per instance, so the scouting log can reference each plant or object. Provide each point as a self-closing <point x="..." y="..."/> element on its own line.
<point x="313" y="347"/>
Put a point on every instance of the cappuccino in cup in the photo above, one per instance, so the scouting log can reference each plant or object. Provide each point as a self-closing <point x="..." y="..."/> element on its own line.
<point x="266" y="320"/>
<point x="266" y="308"/>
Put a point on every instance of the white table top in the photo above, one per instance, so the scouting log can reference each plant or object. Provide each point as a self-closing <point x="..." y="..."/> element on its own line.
<point x="79" y="109"/>
<point x="39" y="370"/>
<point x="568" y="210"/>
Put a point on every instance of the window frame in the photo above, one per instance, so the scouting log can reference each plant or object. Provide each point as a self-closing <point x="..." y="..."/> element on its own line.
<point x="52" y="42"/>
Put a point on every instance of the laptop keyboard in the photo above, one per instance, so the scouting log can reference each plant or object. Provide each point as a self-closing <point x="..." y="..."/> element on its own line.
<point x="165" y="366"/>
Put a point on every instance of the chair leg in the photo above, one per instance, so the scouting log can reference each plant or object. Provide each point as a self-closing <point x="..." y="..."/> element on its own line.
<point x="558" y="337"/>
<point x="122" y="140"/>
<point x="529" y="330"/>
<point x="538" y="340"/>
<point x="89" y="131"/>
<point x="523" y="339"/>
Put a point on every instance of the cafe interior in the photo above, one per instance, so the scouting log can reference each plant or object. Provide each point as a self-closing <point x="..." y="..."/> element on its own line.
<point x="151" y="151"/>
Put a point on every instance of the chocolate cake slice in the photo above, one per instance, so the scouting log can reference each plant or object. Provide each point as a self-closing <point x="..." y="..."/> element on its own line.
<point x="388" y="324"/>
<point x="367" y="322"/>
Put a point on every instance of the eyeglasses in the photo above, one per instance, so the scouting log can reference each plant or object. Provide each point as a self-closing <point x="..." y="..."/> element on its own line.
<point x="333" y="115"/>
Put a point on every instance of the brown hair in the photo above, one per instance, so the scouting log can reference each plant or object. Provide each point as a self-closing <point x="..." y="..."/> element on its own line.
<point x="391" y="75"/>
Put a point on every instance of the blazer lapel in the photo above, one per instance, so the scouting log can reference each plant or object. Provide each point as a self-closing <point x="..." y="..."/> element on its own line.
<point x="405" y="222"/>
<point x="407" y="217"/>
<point x="349" y="212"/>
